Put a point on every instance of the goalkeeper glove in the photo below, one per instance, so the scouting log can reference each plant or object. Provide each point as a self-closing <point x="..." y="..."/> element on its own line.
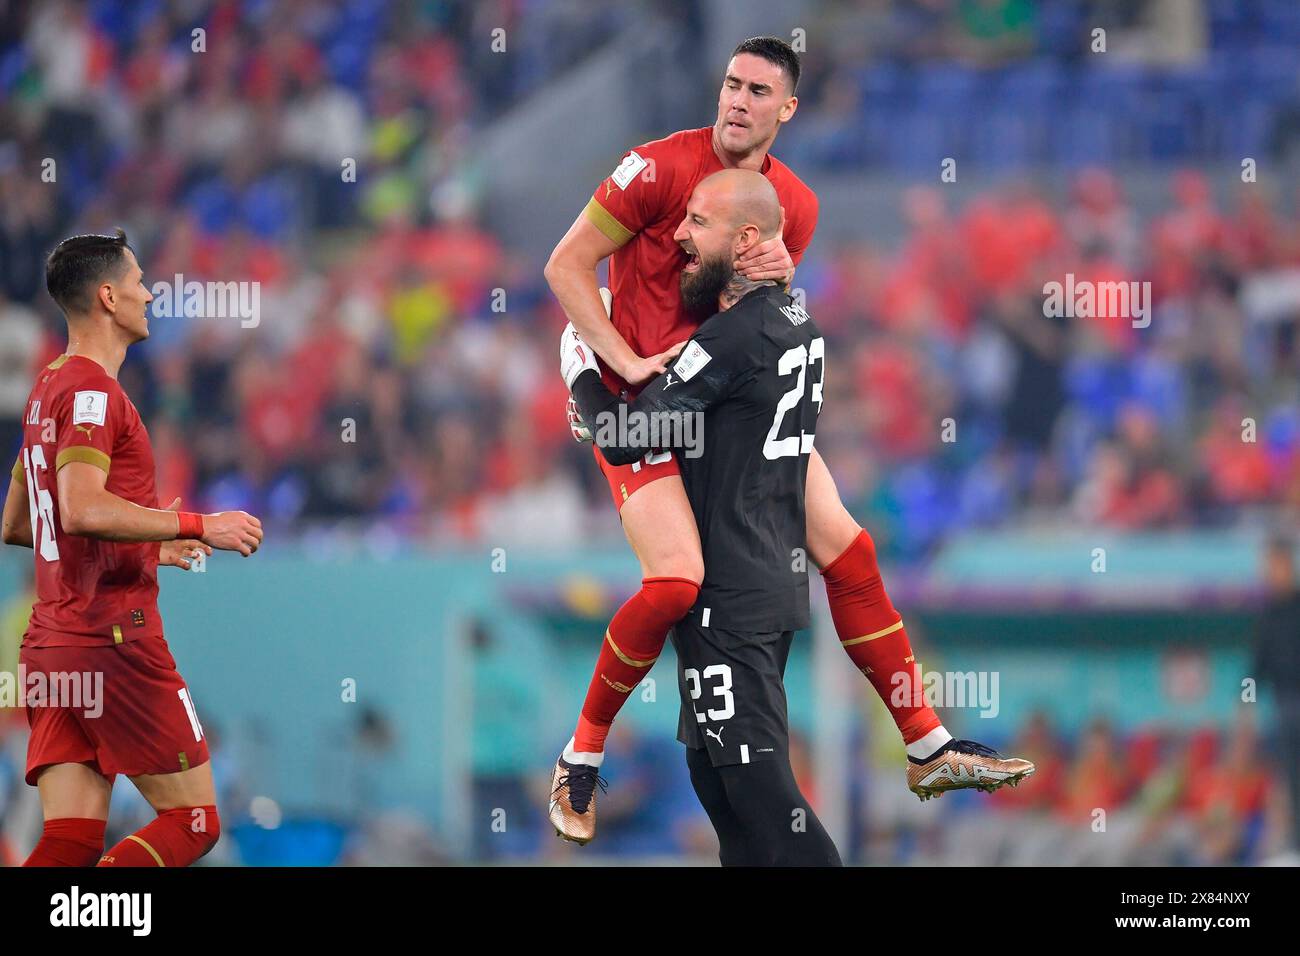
<point x="579" y="429"/>
<point x="575" y="357"/>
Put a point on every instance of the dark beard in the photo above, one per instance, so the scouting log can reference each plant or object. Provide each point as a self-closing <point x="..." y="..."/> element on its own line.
<point x="700" y="289"/>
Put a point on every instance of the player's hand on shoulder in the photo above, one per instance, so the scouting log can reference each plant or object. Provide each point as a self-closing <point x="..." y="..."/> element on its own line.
<point x="768" y="259"/>
<point x="232" y="531"/>
<point x="575" y="355"/>
<point x="642" y="370"/>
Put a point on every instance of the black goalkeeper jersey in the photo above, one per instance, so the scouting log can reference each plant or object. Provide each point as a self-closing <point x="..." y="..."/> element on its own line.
<point x="754" y="374"/>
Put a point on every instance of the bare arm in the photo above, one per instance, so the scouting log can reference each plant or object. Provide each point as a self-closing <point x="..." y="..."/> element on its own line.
<point x="17" y="516"/>
<point x="571" y="274"/>
<point x="88" y="508"/>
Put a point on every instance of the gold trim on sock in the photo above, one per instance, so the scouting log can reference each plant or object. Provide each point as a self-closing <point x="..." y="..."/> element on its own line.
<point x="624" y="658"/>
<point x="874" y="634"/>
<point x="152" y="852"/>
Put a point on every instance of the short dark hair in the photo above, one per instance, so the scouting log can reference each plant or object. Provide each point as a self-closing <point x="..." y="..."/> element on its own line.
<point x="79" y="263"/>
<point x="777" y="52"/>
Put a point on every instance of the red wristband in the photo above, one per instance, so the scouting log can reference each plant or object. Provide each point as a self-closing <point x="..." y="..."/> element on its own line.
<point x="191" y="525"/>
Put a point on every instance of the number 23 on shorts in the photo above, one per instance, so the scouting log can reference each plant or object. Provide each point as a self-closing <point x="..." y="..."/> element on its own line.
<point x="722" y="689"/>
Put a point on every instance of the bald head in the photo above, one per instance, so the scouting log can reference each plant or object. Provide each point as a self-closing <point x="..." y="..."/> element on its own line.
<point x="727" y="214"/>
<point x="743" y="197"/>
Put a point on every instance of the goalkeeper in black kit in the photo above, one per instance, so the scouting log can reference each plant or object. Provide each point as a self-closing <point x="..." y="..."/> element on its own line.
<point x="747" y="389"/>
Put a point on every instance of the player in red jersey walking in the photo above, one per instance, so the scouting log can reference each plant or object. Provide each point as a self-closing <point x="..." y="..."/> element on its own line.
<point x="82" y="496"/>
<point x="632" y="220"/>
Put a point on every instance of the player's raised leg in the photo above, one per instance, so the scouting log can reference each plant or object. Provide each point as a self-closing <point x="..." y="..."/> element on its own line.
<point x="74" y="802"/>
<point x="872" y="633"/>
<point x="153" y="736"/>
<point x="187" y="825"/>
<point x="660" y="526"/>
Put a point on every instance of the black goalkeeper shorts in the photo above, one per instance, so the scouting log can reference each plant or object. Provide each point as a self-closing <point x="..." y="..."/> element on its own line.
<point x="733" y="692"/>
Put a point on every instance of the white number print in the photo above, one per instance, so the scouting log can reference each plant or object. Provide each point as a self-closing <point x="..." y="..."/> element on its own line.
<point x="798" y="358"/>
<point x="652" y="458"/>
<point x="693" y="679"/>
<point x="723" y="690"/>
<point x="40" y="504"/>
<point x="184" y="695"/>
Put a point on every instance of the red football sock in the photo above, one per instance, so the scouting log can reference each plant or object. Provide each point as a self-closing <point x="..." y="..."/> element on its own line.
<point x="872" y="634"/>
<point x="69" y="841"/>
<point x="632" y="644"/>
<point x="176" y="838"/>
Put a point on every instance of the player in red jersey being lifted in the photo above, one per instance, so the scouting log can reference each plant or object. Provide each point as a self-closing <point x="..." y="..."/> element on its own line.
<point x="82" y="497"/>
<point x="632" y="219"/>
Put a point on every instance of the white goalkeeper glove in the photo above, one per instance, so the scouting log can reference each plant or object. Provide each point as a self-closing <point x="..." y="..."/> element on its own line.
<point x="579" y="429"/>
<point x="575" y="357"/>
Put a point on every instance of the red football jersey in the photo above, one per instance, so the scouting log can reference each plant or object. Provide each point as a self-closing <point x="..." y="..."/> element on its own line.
<point x="88" y="592"/>
<point x="641" y="204"/>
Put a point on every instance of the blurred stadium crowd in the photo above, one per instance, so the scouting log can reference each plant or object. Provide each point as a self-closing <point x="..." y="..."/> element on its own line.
<point x="379" y="304"/>
<point x="1017" y="82"/>
<point x="381" y="299"/>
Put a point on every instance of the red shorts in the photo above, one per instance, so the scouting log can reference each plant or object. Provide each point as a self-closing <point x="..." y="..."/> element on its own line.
<point x="625" y="480"/>
<point x="134" y="714"/>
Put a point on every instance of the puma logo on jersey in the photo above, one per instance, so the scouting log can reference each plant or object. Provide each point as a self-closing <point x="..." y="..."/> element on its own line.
<point x="717" y="736"/>
<point x="88" y="429"/>
<point x="669" y="382"/>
